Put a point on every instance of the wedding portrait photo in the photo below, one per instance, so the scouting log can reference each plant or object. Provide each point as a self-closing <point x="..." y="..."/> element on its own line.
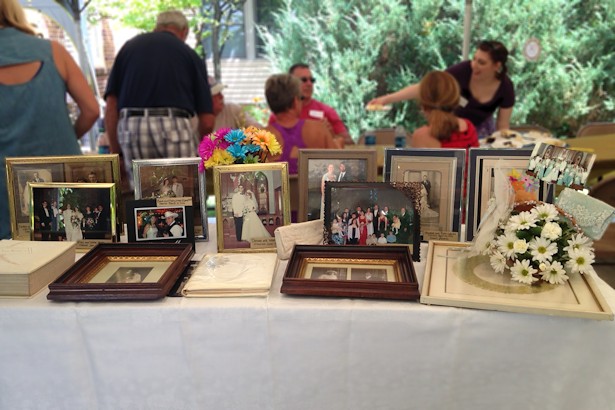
<point x="252" y="201"/>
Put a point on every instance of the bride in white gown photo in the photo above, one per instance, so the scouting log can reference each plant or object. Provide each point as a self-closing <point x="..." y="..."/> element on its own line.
<point x="252" y="225"/>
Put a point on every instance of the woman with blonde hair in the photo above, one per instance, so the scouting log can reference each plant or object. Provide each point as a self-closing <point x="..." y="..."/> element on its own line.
<point x="35" y="75"/>
<point x="438" y="97"/>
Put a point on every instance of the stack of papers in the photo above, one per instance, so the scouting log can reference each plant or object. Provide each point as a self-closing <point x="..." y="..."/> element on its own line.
<point x="232" y="274"/>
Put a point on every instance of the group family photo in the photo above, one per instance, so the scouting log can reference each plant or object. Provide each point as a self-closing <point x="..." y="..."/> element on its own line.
<point x="71" y="214"/>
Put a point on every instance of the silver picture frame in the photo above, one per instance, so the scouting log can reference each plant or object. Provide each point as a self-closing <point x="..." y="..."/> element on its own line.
<point x="150" y="181"/>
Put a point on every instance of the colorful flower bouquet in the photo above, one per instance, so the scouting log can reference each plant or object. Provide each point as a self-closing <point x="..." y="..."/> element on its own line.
<point x="539" y="241"/>
<point x="227" y="146"/>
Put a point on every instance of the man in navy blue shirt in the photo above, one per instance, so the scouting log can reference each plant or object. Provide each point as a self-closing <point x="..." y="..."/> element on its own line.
<point x="157" y="84"/>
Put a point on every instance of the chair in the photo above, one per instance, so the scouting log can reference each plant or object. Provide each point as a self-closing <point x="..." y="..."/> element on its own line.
<point x="596" y="128"/>
<point x="605" y="247"/>
<point x="530" y="127"/>
<point x="384" y="136"/>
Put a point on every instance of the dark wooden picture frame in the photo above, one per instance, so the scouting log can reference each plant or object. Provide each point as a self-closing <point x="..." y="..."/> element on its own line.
<point x="341" y="279"/>
<point x="358" y="165"/>
<point x="394" y="199"/>
<point x="108" y="272"/>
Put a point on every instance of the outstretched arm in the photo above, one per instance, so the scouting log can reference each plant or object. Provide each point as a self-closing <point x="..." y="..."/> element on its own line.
<point x="78" y="88"/>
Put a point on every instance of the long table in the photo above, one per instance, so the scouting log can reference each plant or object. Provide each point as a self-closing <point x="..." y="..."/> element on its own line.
<point x="284" y="352"/>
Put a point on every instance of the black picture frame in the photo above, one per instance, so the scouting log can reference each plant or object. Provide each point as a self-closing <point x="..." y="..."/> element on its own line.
<point x="141" y="211"/>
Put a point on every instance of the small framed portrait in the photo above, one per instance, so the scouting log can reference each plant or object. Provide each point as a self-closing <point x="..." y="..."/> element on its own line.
<point x="144" y="271"/>
<point x="252" y="200"/>
<point x="174" y="178"/>
<point x="66" y="211"/>
<point x="384" y="272"/>
<point x="441" y="172"/>
<point x="482" y="165"/>
<point x="561" y="166"/>
<point x="373" y="213"/>
<point x="317" y="166"/>
<point x="78" y="168"/>
<point x="158" y="220"/>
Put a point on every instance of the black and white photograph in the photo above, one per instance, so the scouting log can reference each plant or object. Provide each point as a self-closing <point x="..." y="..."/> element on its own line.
<point x="329" y="273"/>
<point x="130" y="275"/>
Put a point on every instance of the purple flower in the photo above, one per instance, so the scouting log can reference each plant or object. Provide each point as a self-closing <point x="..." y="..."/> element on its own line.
<point x="206" y="147"/>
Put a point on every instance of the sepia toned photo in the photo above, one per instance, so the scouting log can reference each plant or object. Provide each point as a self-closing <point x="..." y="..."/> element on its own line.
<point x="252" y="200"/>
<point x="174" y="178"/>
<point x="441" y="173"/>
<point x="129" y="275"/>
<point x="381" y="272"/>
<point x="82" y="213"/>
<point x="78" y="168"/>
<point x="318" y="166"/>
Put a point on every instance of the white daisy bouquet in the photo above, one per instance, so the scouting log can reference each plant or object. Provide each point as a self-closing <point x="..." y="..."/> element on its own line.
<point x="538" y="241"/>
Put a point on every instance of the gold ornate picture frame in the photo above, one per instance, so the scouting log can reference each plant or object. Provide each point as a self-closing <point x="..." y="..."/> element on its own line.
<point x="76" y="169"/>
<point x="252" y="200"/>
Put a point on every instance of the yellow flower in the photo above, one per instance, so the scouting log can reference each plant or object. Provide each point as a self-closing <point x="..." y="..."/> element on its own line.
<point x="515" y="174"/>
<point x="219" y="157"/>
<point x="264" y="139"/>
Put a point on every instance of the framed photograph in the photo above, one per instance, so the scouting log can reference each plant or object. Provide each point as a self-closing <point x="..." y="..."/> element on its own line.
<point x="142" y="271"/>
<point x="172" y="178"/>
<point x="561" y="166"/>
<point x="252" y="200"/>
<point x="156" y="220"/>
<point x="381" y="272"/>
<point x="77" y="169"/>
<point x="69" y="211"/>
<point x="441" y="171"/>
<point x="481" y="181"/>
<point x="373" y="213"/>
<point x="452" y="279"/>
<point x="316" y="166"/>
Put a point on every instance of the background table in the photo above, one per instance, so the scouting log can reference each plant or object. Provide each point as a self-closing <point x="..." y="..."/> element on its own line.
<point x="284" y="352"/>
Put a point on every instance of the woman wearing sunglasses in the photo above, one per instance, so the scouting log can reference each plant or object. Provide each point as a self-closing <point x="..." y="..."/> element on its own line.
<point x="484" y="85"/>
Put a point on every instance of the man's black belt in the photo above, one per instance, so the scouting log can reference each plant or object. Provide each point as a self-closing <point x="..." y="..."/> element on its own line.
<point x="154" y="112"/>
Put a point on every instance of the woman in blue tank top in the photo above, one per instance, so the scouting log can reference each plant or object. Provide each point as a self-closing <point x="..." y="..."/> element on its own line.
<point x="35" y="75"/>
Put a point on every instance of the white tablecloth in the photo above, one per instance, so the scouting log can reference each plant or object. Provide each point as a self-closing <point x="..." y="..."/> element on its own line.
<point x="285" y="352"/>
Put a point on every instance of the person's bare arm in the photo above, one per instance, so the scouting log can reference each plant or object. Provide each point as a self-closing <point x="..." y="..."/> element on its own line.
<point x="410" y="92"/>
<point x="206" y="123"/>
<point x="78" y="88"/>
<point x="503" y="120"/>
<point x="111" y="120"/>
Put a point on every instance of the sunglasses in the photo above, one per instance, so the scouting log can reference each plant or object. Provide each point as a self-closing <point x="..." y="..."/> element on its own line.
<point x="306" y="79"/>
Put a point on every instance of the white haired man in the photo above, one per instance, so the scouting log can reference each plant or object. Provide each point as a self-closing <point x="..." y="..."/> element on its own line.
<point x="156" y="85"/>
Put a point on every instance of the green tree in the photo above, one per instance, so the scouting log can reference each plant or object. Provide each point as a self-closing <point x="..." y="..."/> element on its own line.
<point x="207" y="19"/>
<point x="360" y="49"/>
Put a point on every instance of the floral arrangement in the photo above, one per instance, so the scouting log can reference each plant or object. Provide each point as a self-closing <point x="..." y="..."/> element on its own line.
<point x="525" y="186"/>
<point x="540" y="243"/>
<point x="76" y="219"/>
<point x="237" y="146"/>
